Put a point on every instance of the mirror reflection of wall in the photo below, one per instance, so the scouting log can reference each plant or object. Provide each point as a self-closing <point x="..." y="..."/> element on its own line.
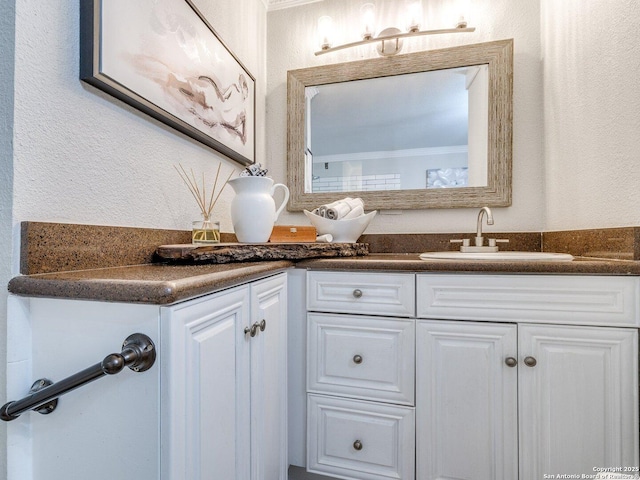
<point x="405" y="132"/>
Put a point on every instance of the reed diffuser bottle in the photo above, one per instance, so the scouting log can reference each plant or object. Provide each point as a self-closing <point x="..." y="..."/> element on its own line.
<point x="205" y="230"/>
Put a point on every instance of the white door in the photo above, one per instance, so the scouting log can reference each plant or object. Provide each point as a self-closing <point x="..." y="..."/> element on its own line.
<point x="269" y="379"/>
<point x="466" y="401"/>
<point x="578" y="400"/>
<point x="205" y="388"/>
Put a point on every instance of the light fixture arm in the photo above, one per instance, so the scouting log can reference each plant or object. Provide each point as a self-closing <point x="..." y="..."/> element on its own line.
<point x="384" y="38"/>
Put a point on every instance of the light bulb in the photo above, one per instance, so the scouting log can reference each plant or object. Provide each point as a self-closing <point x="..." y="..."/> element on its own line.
<point x="325" y="31"/>
<point x="463" y="8"/>
<point x="414" y="16"/>
<point x="368" y="11"/>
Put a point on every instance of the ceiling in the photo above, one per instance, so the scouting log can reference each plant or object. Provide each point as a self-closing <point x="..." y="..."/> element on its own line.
<point x="281" y="4"/>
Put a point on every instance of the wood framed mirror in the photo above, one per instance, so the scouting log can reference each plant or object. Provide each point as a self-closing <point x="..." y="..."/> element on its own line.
<point x="485" y="178"/>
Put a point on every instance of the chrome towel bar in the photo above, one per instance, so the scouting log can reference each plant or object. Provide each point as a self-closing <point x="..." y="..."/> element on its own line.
<point x="138" y="353"/>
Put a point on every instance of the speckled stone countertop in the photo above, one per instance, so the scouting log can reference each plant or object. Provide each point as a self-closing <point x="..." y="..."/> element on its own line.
<point x="74" y="261"/>
<point x="412" y="262"/>
<point x="152" y="283"/>
<point x="163" y="284"/>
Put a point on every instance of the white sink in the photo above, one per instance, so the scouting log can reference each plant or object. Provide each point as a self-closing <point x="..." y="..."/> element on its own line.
<point x="499" y="256"/>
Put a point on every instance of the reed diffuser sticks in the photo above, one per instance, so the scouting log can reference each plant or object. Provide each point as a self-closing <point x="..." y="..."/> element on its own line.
<point x="205" y="230"/>
<point x="200" y="192"/>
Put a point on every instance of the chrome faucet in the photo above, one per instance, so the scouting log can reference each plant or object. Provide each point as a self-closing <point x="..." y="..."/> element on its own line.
<point x="479" y="245"/>
<point x="479" y="238"/>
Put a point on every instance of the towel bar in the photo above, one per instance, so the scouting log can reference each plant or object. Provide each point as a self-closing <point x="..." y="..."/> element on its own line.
<point x="138" y="353"/>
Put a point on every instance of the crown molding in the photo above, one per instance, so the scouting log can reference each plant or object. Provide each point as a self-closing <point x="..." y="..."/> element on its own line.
<point x="282" y="4"/>
<point x="384" y="155"/>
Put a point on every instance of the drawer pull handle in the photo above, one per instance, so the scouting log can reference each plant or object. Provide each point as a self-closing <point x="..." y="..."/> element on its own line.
<point x="357" y="445"/>
<point x="530" y="361"/>
<point x="263" y="325"/>
<point x="357" y="293"/>
<point x="357" y="359"/>
<point x="510" y="361"/>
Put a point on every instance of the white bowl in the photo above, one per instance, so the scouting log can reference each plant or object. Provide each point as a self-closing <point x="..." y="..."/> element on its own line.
<point x="342" y="231"/>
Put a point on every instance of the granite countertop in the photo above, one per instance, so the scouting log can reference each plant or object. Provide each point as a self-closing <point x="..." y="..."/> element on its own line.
<point x="412" y="262"/>
<point x="159" y="284"/>
<point x="163" y="284"/>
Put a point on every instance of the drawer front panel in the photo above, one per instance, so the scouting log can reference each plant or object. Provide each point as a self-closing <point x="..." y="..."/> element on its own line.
<point x="362" y="357"/>
<point x="362" y="293"/>
<point x="580" y="300"/>
<point x="360" y="440"/>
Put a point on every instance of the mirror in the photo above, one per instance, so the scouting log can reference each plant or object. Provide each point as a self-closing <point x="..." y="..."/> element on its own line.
<point x="375" y="134"/>
<point x="462" y="143"/>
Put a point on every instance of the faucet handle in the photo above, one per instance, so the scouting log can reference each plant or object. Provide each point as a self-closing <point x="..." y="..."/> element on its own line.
<point x="464" y="242"/>
<point x="494" y="241"/>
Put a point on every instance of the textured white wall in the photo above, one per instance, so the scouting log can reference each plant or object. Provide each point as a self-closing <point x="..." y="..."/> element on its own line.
<point x="7" y="24"/>
<point x="291" y="43"/>
<point x="591" y="57"/>
<point x="83" y="157"/>
<point x="80" y="156"/>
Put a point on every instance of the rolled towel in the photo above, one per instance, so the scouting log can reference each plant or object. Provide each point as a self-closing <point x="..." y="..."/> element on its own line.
<point x="355" y="213"/>
<point x="341" y="208"/>
<point x="337" y="210"/>
<point x="354" y="202"/>
<point x="326" y="238"/>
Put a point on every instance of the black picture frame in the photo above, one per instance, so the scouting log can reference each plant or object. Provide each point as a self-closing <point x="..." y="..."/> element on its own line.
<point x="160" y="75"/>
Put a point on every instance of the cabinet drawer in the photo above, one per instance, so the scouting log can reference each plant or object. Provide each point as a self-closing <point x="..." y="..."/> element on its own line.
<point x="360" y="440"/>
<point x="363" y="357"/>
<point x="579" y="300"/>
<point x="364" y="293"/>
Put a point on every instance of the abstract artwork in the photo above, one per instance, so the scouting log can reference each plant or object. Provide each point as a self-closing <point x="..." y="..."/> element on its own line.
<point x="447" y="177"/>
<point x="163" y="58"/>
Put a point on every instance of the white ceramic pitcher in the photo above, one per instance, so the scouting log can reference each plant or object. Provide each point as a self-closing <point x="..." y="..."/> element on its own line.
<point x="253" y="209"/>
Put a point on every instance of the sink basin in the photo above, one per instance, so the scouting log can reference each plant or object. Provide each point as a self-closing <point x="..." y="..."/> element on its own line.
<point x="500" y="256"/>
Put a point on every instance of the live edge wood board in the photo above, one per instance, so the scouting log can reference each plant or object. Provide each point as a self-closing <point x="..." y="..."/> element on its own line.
<point x="251" y="252"/>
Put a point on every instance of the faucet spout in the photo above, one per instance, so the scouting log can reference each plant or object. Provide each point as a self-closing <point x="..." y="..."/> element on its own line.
<point x="481" y="214"/>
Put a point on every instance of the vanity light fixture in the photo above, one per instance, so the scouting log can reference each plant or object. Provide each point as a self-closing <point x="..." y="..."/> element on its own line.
<point x="389" y="39"/>
<point x="325" y="31"/>
<point x="368" y="12"/>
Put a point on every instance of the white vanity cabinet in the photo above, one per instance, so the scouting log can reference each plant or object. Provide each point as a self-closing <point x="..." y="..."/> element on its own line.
<point x="213" y="406"/>
<point x="556" y="393"/>
<point x="516" y="376"/>
<point x="360" y="375"/>
<point x="224" y="385"/>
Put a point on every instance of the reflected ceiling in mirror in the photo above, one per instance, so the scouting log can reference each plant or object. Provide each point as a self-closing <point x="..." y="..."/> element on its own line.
<point x="375" y="134"/>
<point x="418" y="122"/>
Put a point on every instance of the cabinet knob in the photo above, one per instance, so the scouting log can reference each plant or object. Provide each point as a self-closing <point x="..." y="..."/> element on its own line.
<point x="510" y="361"/>
<point x="357" y="293"/>
<point x="253" y="330"/>
<point x="263" y="325"/>
<point x="357" y="359"/>
<point x="357" y="445"/>
<point x="530" y="361"/>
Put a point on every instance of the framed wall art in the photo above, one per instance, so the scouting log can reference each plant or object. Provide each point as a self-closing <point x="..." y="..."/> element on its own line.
<point x="165" y="59"/>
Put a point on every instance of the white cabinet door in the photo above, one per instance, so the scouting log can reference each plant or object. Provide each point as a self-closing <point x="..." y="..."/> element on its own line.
<point x="205" y="388"/>
<point x="269" y="380"/>
<point x="578" y="403"/>
<point x="466" y="401"/>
